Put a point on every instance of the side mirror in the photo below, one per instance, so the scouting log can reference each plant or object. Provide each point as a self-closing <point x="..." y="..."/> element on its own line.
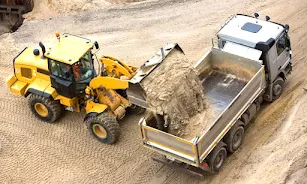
<point x="96" y="45"/>
<point x="256" y="15"/>
<point x="287" y="27"/>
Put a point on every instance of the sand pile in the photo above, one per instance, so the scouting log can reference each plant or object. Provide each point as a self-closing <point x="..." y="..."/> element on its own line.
<point x="175" y="90"/>
<point x="44" y="9"/>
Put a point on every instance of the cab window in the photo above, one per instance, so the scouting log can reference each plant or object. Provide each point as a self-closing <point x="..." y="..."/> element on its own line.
<point x="83" y="69"/>
<point x="60" y="69"/>
<point x="281" y="44"/>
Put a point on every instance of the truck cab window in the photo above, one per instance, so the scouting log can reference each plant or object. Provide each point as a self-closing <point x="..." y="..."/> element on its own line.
<point x="281" y="45"/>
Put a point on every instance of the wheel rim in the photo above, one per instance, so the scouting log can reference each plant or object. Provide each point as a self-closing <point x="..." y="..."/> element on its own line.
<point x="277" y="89"/>
<point x="237" y="139"/>
<point x="219" y="160"/>
<point x="100" y="131"/>
<point x="41" y="109"/>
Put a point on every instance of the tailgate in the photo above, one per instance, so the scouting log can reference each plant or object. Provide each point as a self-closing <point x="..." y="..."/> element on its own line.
<point x="169" y="145"/>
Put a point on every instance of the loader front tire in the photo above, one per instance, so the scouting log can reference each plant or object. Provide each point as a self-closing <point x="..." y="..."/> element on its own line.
<point x="44" y="108"/>
<point x="104" y="128"/>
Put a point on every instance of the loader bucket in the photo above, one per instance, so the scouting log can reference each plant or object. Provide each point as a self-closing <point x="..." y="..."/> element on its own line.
<point x="136" y="93"/>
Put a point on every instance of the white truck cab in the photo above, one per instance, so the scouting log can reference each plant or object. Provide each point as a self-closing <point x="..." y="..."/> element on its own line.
<point x="261" y="40"/>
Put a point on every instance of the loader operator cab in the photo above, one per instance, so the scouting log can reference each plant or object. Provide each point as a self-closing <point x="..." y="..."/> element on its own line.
<point x="261" y="40"/>
<point x="71" y="67"/>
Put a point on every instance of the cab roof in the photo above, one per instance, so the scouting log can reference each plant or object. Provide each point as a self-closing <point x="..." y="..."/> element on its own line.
<point x="69" y="49"/>
<point x="249" y="31"/>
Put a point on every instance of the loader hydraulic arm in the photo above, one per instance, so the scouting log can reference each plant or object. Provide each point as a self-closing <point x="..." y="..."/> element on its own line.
<point x="108" y="83"/>
<point x="117" y="68"/>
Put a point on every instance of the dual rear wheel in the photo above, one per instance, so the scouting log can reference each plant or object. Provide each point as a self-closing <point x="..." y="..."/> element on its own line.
<point x="232" y="142"/>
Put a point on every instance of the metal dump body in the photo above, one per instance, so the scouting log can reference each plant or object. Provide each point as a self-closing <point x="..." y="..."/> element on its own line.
<point x="233" y="83"/>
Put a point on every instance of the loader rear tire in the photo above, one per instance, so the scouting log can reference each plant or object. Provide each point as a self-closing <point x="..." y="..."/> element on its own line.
<point x="104" y="128"/>
<point x="44" y="108"/>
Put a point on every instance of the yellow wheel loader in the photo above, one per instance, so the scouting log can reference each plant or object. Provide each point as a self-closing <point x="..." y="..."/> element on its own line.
<point x="62" y="76"/>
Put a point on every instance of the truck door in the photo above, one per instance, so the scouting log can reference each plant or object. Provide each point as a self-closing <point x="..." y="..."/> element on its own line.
<point x="283" y="52"/>
<point x="62" y="78"/>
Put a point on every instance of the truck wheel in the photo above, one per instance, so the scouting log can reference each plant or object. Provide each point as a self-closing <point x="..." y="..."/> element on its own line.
<point x="278" y="87"/>
<point x="44" y="108"/>
<point x="134" y="109"/>
<point x="234" y="138"/>
<point x="104" y="128"/>
<point x="217" y="158"/>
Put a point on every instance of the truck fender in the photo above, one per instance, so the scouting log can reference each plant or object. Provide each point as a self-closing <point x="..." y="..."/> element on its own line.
<point x="220" y="144"/>
<point x="282" y="74"/>
<point x="239" y="122"/>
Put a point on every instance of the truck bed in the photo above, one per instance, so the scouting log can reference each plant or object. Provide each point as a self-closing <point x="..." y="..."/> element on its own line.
<point x="221" y="89"/>
<point x="231" y="83"/>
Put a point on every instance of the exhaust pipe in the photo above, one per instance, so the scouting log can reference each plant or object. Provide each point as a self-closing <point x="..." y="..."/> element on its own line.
<point x="43" y="49"/>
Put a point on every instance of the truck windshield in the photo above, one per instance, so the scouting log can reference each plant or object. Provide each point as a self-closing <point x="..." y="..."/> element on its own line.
<point x="83" y="69"/>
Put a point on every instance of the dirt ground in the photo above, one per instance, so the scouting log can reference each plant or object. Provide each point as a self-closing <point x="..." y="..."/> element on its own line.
<point x="274" y="149"/>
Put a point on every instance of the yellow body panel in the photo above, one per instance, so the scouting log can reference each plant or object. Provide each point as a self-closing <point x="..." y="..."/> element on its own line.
<point x="18" y="88"/>
<point x="11" y="80"/>
<point x="50" y="90"/>
<point x="69" y="49"/>
<point x="43" y="76"/>
<point x="109" y="83"/>
<point x="94" y="107"/>
<point x="69" y="102"/>
<point x="28" y="59"/>
<point x="39" y="85"/>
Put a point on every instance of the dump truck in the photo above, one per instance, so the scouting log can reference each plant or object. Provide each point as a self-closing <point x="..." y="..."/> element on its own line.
<point x="61" y="76"/>
<point x="248" y="65"/>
